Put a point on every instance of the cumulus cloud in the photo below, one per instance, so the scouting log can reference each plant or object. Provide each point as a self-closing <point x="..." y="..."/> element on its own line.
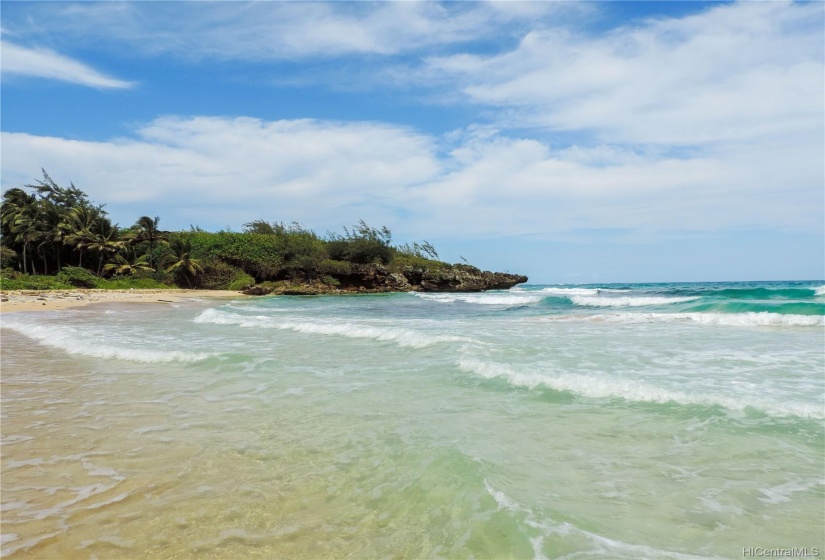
<point x="223" y="171"/>
<point x="697" y="124"/>
<point x="262" y="31"/>
<point x="216" y="172"/>
<point x="44" y="63"/>
<point x="733" y="73"/>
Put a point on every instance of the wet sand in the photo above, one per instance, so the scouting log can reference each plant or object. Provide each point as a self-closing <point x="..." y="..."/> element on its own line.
<point x="51" y="300"/>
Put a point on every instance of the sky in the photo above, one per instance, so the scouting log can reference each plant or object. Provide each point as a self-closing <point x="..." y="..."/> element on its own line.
<point x="574" y="142"/>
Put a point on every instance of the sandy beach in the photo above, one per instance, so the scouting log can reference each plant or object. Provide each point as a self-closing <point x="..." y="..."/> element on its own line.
<point x="50" y="300"/>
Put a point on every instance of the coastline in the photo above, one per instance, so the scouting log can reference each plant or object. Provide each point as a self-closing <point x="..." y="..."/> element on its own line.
<point x="51" y="300"/>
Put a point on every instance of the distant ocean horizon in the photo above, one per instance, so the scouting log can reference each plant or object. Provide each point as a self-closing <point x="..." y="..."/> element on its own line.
<point x="646" y="420"/>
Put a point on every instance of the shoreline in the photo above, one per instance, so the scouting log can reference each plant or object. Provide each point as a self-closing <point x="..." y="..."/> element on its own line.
<point x="12" y="301"/>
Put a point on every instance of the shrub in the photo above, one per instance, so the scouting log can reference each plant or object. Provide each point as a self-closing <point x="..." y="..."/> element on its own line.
<point x="218" y="275"/>
<point x="130" y="283"/>
<point x="32" y="282"/>
<point x="362" y="244"/>
<point x="330" y="267"/>
<point x="330" y="281"/>
<point x="258" y="255"/>
<point x="402" y="261"/>
<point x="78" y="277"/>
<point x="241" y="283"/>
<point x="8" y="257"/>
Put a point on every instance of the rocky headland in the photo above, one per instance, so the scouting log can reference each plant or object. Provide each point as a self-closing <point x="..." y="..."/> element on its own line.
<point x="376" y="278"/>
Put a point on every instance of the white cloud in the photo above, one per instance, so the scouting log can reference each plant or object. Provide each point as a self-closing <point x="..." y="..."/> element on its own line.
<point x="262" y="31"/>
<point x="732" y="73"/>
<point x="44" y="63"/>
<point x="216" y="172"/>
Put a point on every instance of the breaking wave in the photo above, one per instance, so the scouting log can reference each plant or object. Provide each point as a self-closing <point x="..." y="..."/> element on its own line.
<point x="604" y="387"/>
<point x="751" y="319"/>
<point x="75" y="342"/>
<point x="638" y="301"/>
<point x="402" y="337"/>
<point x="504" y="299"/>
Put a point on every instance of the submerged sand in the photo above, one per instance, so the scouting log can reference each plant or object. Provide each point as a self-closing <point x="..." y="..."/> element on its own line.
<point x="50" y="300"/>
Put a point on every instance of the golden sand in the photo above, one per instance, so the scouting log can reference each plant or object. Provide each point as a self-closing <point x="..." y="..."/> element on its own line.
<point x="50" y="300"/>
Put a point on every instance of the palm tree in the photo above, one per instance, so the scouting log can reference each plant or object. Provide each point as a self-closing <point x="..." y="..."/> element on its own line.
<point x="79" y="222"/>
<point x="181" y="261"/>
<point x="17" y="219"/>
<point x="104" y="240"/>
<point x="129" y="264"/>
<point x="51" y="229"/>
<point x="147" y="230"/>
<point x="25" y="231"/>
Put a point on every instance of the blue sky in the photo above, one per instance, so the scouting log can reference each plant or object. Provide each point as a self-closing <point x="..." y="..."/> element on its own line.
<point x="574" y="142"/>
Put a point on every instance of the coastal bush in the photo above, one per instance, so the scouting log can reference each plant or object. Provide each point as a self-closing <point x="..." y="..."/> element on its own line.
<point x="132" y="283"/>
<point x="467" y="268"/>
<point x="32" y="282"/>
<point x="330" y="281"/>
<point x="65" y="230"/>
<point x="8" y="257"/>
<point x="259" y="255"/>
<point x="240" y="283"/>
<point x="78" y="277"/>
<point x="330" y="267"/>
<point x="401" y="261"/>
<point x="219" y="275"/>
<point x="362" y="245"/>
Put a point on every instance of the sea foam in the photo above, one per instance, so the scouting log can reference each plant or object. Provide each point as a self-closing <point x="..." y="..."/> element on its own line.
<point x="637" y="301"/>
<point x="76" y="342"/>
<point x="567" y="292"/>
<point x="606" y="387"/>
<point x="402" y="337"/>
<point x="599" y="546"/>
<point x="750" y="319"/>
<point x="504" y="299"/>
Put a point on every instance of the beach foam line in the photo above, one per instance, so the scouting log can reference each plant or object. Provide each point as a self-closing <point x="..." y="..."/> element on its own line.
<point x="568" y="292"/>
<point x="604" y="387"/>
<point x="749" y="319"/>
<point x="402" y="337"/>
<point x="503" y="299"/>
<point x="601" y="546"/>
<point x="73" y="341"/>
<point x="637" y="301"/>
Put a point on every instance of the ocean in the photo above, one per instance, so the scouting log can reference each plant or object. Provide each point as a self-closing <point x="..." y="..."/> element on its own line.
<point x="592" y="421"/>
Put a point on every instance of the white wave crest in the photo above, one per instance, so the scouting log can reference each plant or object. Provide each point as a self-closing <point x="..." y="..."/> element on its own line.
<point x="567" y="292"/>
<point x="75" y="342"/>
<point x="638" y="301"/>
<point x="820" y="291"/>
<point x="599" y="546"/>
<point x="603" y="387"/>
<point x="749" y="319"/>
<point x="402" y="337"/>
<point x="507" y="299"/>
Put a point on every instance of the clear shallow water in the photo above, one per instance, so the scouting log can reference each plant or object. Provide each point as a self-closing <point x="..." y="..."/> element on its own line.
<point x="638" y="421"/>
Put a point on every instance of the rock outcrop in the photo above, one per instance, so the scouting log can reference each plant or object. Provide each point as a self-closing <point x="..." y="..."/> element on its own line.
<point x="467" y="279"/>
<point x="375" y="278"/>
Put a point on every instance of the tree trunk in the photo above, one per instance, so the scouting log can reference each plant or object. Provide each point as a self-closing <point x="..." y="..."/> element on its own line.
<point x="25" y="258"/>
<point x="59" y="264"/>
<point x="100" y="265"/>
<point x="80" y="263"/>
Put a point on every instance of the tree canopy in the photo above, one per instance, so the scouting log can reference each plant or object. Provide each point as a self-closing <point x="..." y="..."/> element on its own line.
<point x="45" y="228"/>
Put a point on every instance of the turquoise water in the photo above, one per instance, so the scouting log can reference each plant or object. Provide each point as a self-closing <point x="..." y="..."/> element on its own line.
<point x="613" y="421"/>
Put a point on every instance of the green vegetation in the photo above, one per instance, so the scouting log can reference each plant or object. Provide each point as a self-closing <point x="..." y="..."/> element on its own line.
<point x="54" y="237"/>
